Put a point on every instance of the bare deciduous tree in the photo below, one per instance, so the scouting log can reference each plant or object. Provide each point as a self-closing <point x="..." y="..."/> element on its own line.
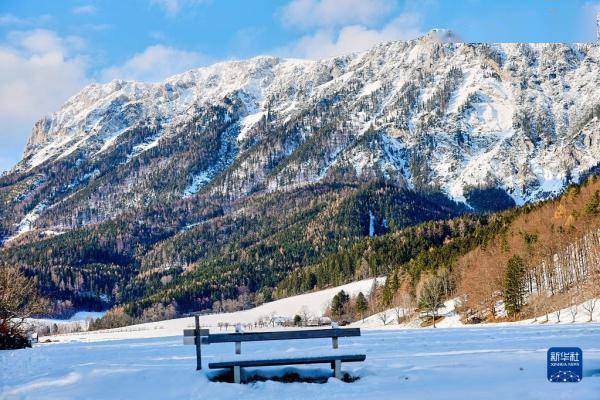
<point x="19" y="300"/>
<point x="589" y="306"/>
<point x="383" y="317"/>
<point x="557" y="311"/>
<point x="574" y="307"/>
<point x="592" y="292"/>
<point x="431" y="297"/>
<point x="404" y="305"/>
<point x="305" y="315"/>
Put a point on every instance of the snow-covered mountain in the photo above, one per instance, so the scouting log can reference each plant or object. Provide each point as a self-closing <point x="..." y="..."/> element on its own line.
<point x="429" y="113"/>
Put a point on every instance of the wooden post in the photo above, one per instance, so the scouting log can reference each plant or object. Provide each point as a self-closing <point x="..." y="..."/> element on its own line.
<point x="198" y="342"/>
<point x="237" y="374"/>
<point x="238" y="345"/>
<point x="237" y="370"/>
<point x="334" y="342"/>
<point x="337" y="371"/>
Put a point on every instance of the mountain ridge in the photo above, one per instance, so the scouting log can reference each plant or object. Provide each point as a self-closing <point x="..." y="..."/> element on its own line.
<point x="238" y="162"/>
<point x="249" y="82"/>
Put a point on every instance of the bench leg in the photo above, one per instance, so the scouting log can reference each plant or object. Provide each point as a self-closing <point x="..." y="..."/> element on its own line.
<point x="237" y="374"/>
<point x="337" y="371"/>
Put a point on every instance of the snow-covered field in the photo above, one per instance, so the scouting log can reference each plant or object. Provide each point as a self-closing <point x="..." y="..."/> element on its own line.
<point x="77" y="317"/>
<point x="149" y="361"/>
<point x="487" y="362"/>
<point x="313" y="303"/>
<point x="78" y="321"/>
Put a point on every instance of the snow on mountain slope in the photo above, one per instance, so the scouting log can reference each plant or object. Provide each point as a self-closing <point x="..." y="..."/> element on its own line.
<point x="429" y="112"/>
<point x="103" y="112"/>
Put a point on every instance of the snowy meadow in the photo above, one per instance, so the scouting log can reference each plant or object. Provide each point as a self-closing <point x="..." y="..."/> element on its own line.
<point x="486" y="362"/>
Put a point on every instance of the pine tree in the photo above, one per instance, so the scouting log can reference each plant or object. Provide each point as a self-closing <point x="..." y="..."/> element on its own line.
<point x="338" y="304"/>
<point x="593" y="206"/>
<point x="361" y="304"/>
<point x="514" y="285"/>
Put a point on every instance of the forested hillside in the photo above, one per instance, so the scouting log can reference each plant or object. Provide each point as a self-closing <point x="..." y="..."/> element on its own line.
<point x="231" y="259"/>
<point x="517" y="263"/>
<point x="549" y="258"/>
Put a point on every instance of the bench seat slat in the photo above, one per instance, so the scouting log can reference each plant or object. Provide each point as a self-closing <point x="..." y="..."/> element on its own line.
<point x="288" y="361"/>
<point x="280" y="335"/>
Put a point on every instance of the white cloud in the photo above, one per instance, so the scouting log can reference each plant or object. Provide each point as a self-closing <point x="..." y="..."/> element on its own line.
<point x="591" y="19"/>
<point x="96" y="27"/>
<point x="331" y="13"/>
<point x="39" y="70"/>
<point x="88" y="9"/>
<point x="10" y="19"/>
<point x="157" y="35"/>
<point x="592" y="6"/>
<point x="329" y="42"/>
<point x="42" y="41"/>
<point x="173" y="7"/>
<point x="155" y="63"/>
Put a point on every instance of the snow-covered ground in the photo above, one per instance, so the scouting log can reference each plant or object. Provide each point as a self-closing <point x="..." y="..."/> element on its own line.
<point x="149" y="361"/>
<point x="313" y="303"/>
<point x="78" y="321"/>
<point x="491" y="362"/>
<point x="78" y="316"/>
<point x="451" y="319"/>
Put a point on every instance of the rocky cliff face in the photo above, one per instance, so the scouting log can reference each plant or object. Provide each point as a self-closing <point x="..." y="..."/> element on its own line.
<point x="427" y="114"/>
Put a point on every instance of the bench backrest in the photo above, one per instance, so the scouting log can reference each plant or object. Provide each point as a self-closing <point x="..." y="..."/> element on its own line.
<point x="199" y="336"/>
<point x="280" y="335"/>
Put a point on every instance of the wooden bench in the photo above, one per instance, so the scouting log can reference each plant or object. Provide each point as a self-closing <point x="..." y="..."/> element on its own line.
<point x="201" y="336"/>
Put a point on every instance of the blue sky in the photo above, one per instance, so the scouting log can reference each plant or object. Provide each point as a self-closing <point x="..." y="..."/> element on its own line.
<point x="50" y="49"/>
